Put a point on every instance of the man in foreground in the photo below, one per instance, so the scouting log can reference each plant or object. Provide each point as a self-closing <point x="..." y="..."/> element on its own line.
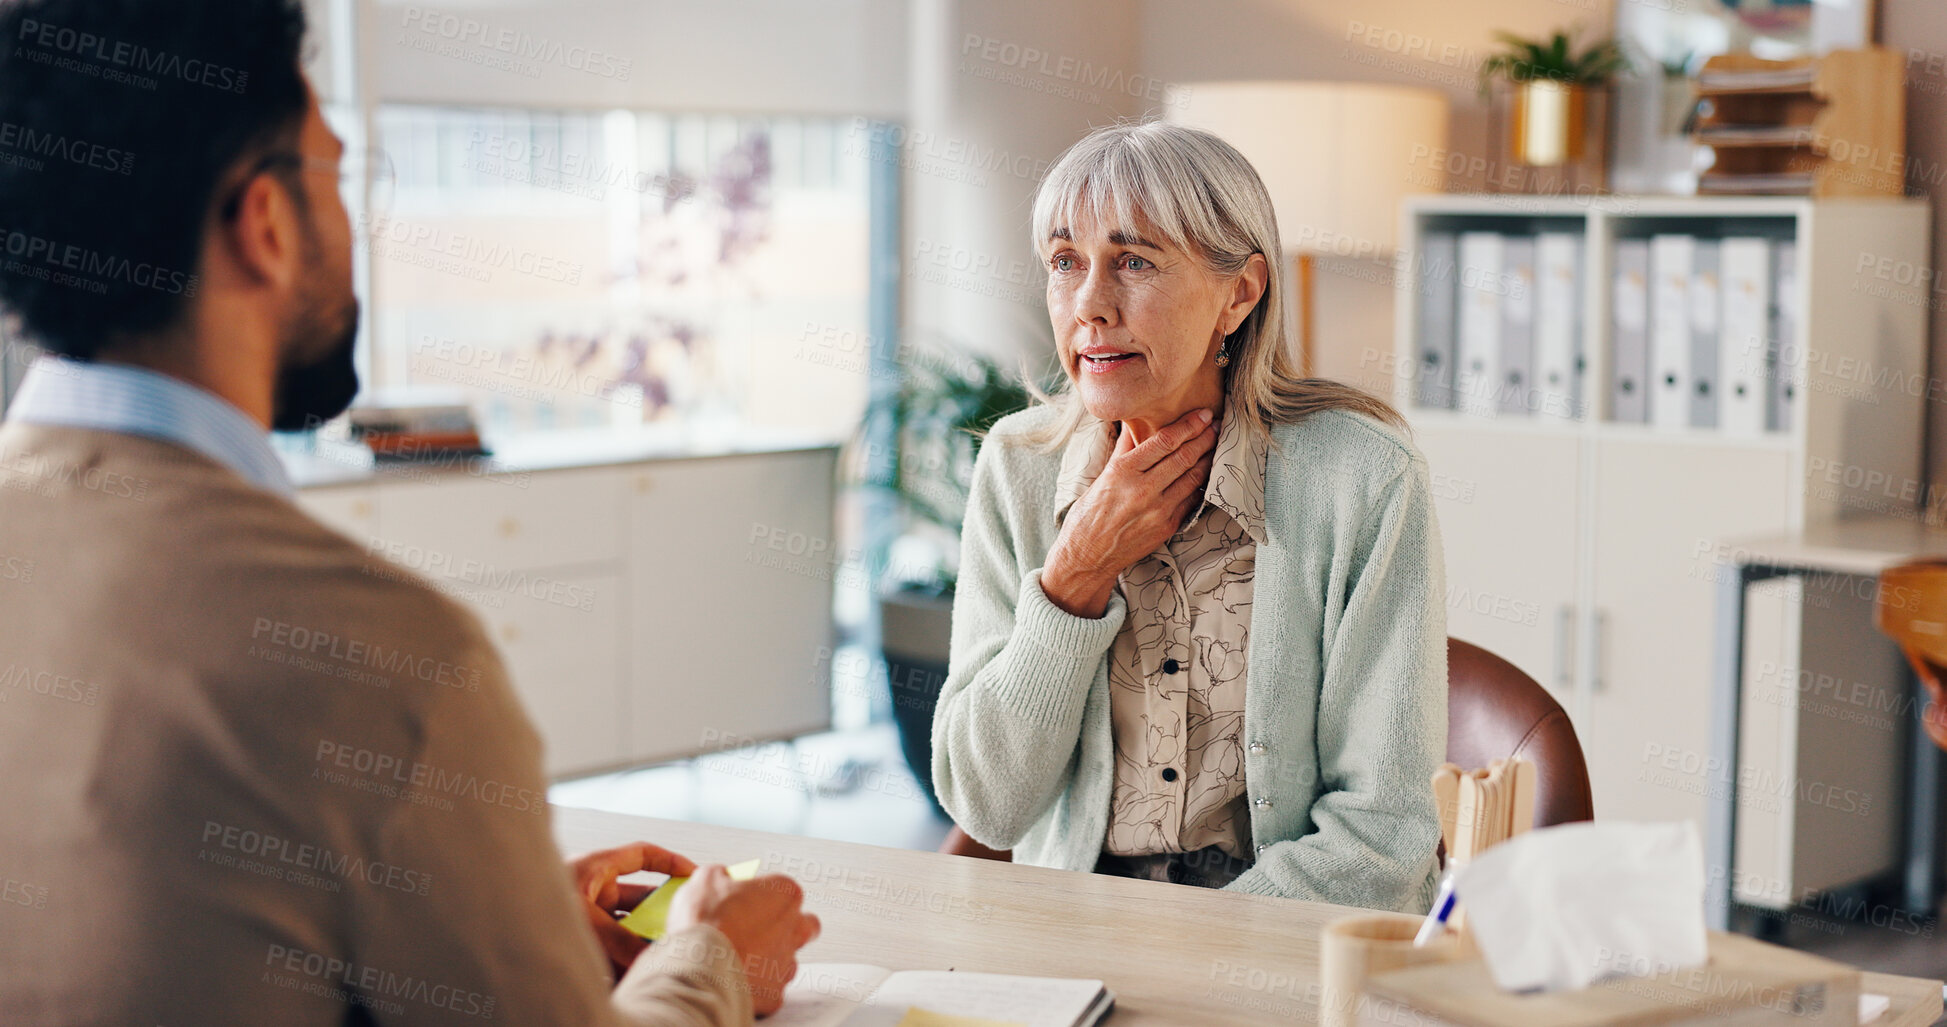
<point x="257" y="777"/>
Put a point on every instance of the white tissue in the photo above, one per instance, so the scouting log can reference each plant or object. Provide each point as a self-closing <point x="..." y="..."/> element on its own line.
<point x="1564" y="906"/>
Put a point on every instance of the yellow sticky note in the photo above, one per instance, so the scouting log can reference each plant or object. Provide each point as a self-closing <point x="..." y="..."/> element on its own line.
<point x="651" y="919"/>
<point x="917" y="1017"/>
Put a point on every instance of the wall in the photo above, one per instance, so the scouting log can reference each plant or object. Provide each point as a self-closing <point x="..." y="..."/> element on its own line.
<point x="1432" y="45"/>
<point x="1919" y="28"/>
<point x="771" y="56"/>
<point x="999" y="88"/>
<point x="1437" y="45"/>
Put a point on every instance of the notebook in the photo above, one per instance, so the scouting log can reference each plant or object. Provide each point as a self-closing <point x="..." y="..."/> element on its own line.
<point x="831" y="994"/>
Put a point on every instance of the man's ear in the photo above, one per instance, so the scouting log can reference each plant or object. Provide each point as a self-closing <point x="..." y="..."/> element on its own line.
<point x="261" y="238"/>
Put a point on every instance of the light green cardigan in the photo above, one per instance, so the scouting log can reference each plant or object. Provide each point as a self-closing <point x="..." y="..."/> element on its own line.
<point x="1345" y="708"/>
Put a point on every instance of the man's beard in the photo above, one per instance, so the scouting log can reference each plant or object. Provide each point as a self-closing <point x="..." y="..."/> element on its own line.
<point x="310" y="395"/>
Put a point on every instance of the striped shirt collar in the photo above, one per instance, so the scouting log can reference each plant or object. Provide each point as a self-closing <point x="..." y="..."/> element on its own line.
<point x="137" y="401"/>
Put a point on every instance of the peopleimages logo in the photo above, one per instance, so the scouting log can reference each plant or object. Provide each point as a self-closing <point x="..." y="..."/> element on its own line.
<point x="514" y="44"/>
<point x="32" y="253"/>
<point x="73" y="47"/>
<point x="27" y="142"/>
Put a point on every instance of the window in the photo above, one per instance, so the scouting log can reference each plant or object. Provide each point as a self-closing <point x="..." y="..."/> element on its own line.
<point x="619" y="268"/>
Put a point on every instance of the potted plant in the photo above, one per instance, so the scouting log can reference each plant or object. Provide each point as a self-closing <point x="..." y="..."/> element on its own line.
<point x="1550" y="112"/>
<point x="945" y="404"/>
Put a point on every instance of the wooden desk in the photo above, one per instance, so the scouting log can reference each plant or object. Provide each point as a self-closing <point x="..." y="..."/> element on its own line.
<point x="1171" y="954"/>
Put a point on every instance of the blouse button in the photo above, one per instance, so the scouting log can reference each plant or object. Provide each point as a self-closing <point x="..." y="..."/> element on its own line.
<point x="1169" y="773"/>
<point x="1263" y="804"/>
<point x="1171" y="666"/>
<point x="1258" y="749"/>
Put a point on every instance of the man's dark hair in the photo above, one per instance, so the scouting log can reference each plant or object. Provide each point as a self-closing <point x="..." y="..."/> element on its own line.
<point x="119" y="121"/>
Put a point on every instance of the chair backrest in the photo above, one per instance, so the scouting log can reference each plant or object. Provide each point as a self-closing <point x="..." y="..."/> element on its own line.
<point x="1911" y="609"/>
<point x="1496" y="711"/>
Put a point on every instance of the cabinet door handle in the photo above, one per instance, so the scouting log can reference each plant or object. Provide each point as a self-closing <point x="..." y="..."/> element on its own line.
<point x="1564" y="643"/>
<point x="1597" y="680"/>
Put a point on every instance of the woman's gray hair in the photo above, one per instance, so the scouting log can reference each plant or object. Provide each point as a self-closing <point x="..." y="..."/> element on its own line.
<point x="1200" y="194"/>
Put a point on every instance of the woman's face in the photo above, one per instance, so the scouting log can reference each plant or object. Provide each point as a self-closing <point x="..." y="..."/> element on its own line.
<point x="1138" y="321"/>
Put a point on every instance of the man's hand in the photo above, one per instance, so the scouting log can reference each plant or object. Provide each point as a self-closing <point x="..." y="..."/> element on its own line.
<point x="762" y="919"/>
<point x="604" y="898"/>
<point x="1137" y="503"/>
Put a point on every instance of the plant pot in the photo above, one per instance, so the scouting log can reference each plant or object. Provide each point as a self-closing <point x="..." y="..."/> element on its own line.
<point x="1550" y="138"/>
<point x="915" y="628"/>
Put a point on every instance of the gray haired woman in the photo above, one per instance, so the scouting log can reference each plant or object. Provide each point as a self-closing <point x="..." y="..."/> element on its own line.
<point x="1200" y="632"/>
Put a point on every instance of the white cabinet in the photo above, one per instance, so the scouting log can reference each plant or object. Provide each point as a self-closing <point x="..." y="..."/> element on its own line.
<point x="1609" y="533"/>
<point x="562" y="640"/>
<point x="725" y="558"/>
<point x="471" y="526"/>
<point x="1490" y="489"/>
<point x="1655" y="603"/>
<point x="349" y="509"/>
<point x="646" y="610"/>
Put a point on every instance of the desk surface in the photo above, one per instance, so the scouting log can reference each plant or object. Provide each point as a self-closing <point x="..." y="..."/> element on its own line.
<point x="1172" y="955"/>
<point x="1851" y="545"/>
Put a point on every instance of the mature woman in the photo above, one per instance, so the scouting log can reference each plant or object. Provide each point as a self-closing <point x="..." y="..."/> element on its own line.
<point x="1199" y="634"/>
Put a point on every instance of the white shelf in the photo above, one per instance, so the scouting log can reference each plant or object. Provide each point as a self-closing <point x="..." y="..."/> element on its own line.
<point x="1586" y="552"/>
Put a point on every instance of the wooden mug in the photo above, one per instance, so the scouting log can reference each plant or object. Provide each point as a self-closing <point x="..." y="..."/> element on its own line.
<point x="1354" y="948"/>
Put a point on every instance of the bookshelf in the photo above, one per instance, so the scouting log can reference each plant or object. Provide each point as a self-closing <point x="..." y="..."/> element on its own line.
<point x="1586" y="549"/>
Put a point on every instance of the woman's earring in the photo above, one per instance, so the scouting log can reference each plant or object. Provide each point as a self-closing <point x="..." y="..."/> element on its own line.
<point x="1223" y="355"/>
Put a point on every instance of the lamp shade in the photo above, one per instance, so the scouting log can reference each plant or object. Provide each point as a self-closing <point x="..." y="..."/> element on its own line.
<point x="1337" y="157"/>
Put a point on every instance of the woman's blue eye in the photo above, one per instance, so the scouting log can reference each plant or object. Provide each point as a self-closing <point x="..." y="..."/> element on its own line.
<point x="1064" y="263"/>
<point x="1136" y="263"/>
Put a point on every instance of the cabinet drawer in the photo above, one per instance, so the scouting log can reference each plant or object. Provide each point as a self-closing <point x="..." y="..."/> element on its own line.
<point x="729" y="637"/>
<point x="352" y="510"/>
<point x="563" y="649"/>
<point x="462" y="527"/>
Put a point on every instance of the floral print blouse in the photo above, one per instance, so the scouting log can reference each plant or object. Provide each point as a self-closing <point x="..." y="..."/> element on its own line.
<point x="1176" y="668"/>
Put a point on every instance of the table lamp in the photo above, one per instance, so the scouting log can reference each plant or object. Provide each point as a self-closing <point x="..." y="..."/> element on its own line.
<point x="1337" y="158"/>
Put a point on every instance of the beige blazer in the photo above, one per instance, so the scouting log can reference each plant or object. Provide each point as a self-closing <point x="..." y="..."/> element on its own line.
<point x="254" y="775"/>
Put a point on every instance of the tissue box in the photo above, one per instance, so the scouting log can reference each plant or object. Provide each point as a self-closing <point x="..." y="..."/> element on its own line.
<point x="1745" y="982"/>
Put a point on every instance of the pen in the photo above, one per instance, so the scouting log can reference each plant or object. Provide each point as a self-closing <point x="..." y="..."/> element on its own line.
<point x="1436" y="919"/>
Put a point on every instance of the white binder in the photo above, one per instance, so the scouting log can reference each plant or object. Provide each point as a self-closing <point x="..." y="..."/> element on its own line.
<point x="1558" y="325"/>
<point x="1477" y="374"/>
<point x="1518" y="398"/>
<point x="1744" y="349"/>
<point x="1670" y="264"/>
<point x="1705" y="325"/>
<point x="1629" y="393"/>
<point x="1439" y="267"/>
<point x="1788" y="353"/>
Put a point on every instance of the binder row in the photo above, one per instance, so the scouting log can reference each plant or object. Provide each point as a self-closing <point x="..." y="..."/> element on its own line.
<point x="1696" y="331"/>
<point x="1700" y="325"/>
<point x="1501" y="324"/>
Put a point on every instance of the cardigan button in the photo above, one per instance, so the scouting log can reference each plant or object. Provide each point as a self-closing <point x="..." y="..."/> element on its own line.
<point x="1261" y="848"/>
<point x="1263" y="804"/>
<point x="1258" y="749"/>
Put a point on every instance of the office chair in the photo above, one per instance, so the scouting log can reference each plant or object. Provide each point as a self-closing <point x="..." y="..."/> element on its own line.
<point x="1911" y="609"/>
<point x="1494" y="711"/>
